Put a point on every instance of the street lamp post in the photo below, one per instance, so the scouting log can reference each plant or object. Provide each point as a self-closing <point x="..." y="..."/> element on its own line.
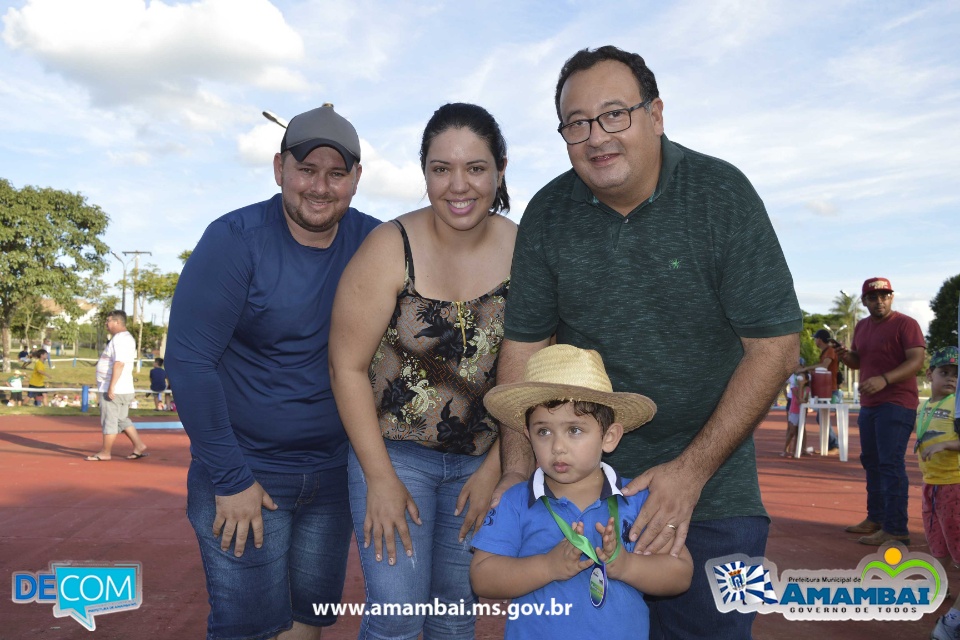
<point x="123" y="301"/>
<point x="272" y="117"/>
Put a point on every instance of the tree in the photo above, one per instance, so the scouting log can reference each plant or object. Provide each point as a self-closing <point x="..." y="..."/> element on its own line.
<point x="97" y="292"/>
<point x="943" y="327"/>
<point x="848" y="310"/>
<point x="48" y="240"/>
<point x="29" y="315"/>
<point x="153" y="286"/>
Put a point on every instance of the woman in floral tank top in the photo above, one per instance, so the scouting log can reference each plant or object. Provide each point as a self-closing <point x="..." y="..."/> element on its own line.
<point x="417" y="327"/>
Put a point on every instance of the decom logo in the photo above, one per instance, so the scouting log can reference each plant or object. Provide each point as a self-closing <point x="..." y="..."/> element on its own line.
<point x="82" y="590"/>
<point x="892" y="584"/>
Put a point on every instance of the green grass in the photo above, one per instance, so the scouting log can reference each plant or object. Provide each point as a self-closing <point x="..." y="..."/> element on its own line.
<point x="64" y="374"/>
<point x="75" y="411"/>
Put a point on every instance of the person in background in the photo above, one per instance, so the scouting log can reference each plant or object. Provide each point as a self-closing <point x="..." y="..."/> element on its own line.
<point x="888" y="350"/>
<point x="15" y="382"/>
<point x="830" y="362"/>
<point x="158" y="383"/>
<point x="800" y="393"/>
<point x="38" y="377"/>
<point x="938" y="450"/>
<point x="115" y="386"/>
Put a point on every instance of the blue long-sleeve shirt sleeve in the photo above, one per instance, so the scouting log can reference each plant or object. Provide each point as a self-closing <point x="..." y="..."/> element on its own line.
<point x="209" y="299"/>
<point x="247" y="346"/>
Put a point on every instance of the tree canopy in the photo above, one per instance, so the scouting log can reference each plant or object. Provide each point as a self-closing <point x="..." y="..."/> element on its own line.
<point x="943" y="327"/>
<point x="848" y="310"/>
<point x="49" y="239"/>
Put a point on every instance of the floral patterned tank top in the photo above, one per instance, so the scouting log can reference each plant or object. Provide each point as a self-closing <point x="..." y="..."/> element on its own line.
<point x="435" y="362"/>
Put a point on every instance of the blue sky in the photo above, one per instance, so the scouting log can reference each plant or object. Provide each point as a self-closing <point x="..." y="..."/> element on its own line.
<point x="843" y="114"/>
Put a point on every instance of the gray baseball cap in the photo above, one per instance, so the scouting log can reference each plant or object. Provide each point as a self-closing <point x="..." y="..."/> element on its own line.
<point x="321" y="127"/>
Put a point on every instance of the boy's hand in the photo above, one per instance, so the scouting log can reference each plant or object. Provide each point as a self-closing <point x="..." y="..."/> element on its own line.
<point x="928" y="453"/>
<point x="564" y="559"/>
<point x="610" y="541"/>
<point x="609" y="534"/>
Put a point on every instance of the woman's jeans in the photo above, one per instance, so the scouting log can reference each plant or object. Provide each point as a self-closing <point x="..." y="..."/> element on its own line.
<point x="439" y="570"/>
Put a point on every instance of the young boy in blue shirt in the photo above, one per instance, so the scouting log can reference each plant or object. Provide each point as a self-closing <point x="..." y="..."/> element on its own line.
<point x="558" y="545"/>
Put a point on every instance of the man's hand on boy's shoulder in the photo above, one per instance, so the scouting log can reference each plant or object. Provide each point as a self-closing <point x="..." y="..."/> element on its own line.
<point x="664" y="518"/>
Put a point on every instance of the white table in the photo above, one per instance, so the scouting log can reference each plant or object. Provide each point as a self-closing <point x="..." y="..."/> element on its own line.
<point x="823" y="406"/>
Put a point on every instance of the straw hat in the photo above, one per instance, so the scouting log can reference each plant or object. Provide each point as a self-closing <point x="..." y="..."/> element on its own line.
<point x="564" y="372"/>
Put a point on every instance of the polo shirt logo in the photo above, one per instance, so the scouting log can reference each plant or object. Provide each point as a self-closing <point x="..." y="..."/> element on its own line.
<point x="488" y="521"/>
<point x="675" y="263"/>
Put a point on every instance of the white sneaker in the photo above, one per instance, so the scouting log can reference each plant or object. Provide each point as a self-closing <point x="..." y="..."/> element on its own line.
<point x="943" y="632"/>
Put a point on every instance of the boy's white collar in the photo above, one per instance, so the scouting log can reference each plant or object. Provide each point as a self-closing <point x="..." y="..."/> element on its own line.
<point x="539" y="488"/>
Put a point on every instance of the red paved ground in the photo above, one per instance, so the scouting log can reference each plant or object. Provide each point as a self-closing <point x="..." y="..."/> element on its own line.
<point x="56" y="506"/>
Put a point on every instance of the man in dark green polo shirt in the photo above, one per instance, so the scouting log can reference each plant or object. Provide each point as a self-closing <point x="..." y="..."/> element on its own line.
<point x="663" y="260"/>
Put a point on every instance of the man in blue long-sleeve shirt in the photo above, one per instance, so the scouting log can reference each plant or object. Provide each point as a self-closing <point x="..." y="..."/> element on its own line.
<point x="247" y="355"/>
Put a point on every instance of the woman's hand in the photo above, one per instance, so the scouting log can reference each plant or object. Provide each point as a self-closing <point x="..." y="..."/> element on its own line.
<point x="477" y="492"/>
<point x="388" y="502"/>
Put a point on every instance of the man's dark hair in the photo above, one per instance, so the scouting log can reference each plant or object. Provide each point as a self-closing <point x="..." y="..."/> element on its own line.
<point x="823" y="335"/>
<point x="119" y="314"/>
<point x="461" y="115"/>
<point x="158" y="361"/>
<point x="586" y="59"/>
<point x="601" y="412"/>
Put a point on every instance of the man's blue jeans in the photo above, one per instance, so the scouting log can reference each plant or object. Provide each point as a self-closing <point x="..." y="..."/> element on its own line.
<point x="303" y="559"/>
<point x="694" y="614"/>
<point x="884" y="433"/>
<point x="440" y="567"/>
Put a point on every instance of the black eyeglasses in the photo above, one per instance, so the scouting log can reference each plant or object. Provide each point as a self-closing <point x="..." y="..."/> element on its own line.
<point x="877" y="295"/>
<point x="610" y="121"/>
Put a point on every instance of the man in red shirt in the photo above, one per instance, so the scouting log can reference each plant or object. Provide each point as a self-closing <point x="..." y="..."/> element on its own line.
<point x="888" y="349"/>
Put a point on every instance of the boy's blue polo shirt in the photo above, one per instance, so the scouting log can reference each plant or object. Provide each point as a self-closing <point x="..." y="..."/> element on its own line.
<point x="520" y="526"/>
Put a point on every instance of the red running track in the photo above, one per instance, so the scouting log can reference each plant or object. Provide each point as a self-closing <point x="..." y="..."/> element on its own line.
<point x="56" y="506"/>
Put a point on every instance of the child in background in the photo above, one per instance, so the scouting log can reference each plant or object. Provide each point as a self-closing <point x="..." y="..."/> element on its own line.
<point x="15" y="381"/>
<point x="38" y="378"/>
<point x="158" y="383"/>
<point x="939" y="449"/>
<point x="800" y="393"/>
<point x="531" y="546"/>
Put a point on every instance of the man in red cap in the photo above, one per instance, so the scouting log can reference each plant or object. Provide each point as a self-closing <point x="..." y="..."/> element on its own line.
<point x="888" y="349"/>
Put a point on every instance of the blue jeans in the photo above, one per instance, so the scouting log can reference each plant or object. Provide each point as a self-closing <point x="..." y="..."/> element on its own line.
<point x="303" y="559"/>
<point x="440" y="566"/>
<point x="694" y="614"/>
<point x="884" y="433"/>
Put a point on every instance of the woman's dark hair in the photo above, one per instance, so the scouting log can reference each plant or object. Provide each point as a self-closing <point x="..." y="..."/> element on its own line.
<point x="586" y="59"/>
<point x="460" y="115"/>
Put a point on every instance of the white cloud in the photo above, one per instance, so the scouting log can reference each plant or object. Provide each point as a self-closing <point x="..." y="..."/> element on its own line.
<point x="257" y="147"/>
<point x="128" y="52"/>
<point x="383" y="179"/>
<point x="822" y="207"/>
